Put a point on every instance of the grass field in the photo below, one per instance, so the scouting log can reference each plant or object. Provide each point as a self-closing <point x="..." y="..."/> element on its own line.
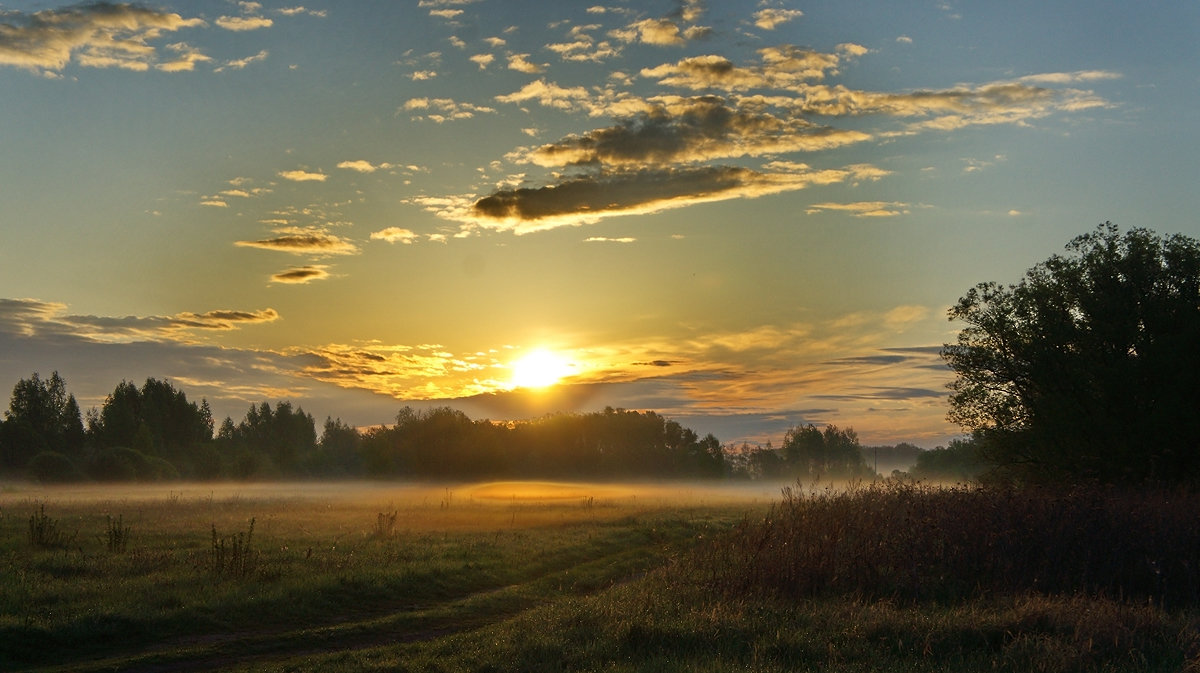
<point x="516" y="577"/>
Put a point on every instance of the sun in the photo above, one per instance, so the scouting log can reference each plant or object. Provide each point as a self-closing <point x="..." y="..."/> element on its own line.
<point x="539" y="369"/>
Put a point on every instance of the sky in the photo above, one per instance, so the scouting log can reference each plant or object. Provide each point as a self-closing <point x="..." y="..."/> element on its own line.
<point x="744" y="216"/>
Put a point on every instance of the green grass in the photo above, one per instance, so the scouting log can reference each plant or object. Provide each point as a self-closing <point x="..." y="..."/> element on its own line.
<point x="202" y="578"/>
<point x="584" y="578"/>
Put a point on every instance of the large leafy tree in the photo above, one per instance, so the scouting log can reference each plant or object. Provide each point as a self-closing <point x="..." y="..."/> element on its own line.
<point x="1089" y="367"/>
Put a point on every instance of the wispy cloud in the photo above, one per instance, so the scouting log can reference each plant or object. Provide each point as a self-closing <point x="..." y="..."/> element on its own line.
<point x="862" y="208"/>
<point x="240" y="63"/>
<point x="442" y="109"/>
<point x="31" y="317"/>
<point x="97" y="35"/>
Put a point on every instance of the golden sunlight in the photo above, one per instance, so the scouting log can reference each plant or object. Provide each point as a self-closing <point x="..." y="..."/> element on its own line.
<point x="539" y="369"/>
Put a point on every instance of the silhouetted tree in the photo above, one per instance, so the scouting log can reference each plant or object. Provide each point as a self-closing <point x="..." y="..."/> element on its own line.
<point x="1089" y="367"/>
<point x="960" y="461"/>
<point x="832" y="453"/>
<point x="41" y="416"/>
<point x="156" y="421"/>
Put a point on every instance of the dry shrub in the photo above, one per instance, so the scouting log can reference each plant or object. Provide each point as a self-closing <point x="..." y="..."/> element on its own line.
<point x="913" y="541"/>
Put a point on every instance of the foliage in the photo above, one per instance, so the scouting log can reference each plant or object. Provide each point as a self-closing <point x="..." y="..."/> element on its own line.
<point x="902" y="541"/>
<point x="832" y="453"/>
<point x="960" y="461"/>
<point x="41" y="416"/>
<point x="50" y="467"/>
<point x="46" y="533"/>
<point x="232" y="555"/>
<point x="444" y="443"/>
<point x="117" y="534"/>
<point x="1087" y="368"/>
<point x="156" y="420"/>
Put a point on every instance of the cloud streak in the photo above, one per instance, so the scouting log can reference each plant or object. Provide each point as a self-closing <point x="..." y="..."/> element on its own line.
<point x="306" y="243"/>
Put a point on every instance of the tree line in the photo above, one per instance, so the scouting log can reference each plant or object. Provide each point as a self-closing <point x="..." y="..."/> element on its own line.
<point x="155" y="433"/>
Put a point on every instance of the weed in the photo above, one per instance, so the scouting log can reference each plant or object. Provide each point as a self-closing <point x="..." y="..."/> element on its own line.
<point x="117" y="535"/>
<point x="44" y="532"/>
<point x="232" y="555"/>
<point x="385" y="525"/>
<point x="447" y="499"/>
<point x="903" y="540"/>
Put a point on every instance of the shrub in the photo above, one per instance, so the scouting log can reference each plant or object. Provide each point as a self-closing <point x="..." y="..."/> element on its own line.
<point x="45" y="532"/>
<point x="53" y="467"/>
<point x="118" y="463"/>
<point x="908" y="541"/>
<point x="117" y="534"/>
<point x="231" y="555"/>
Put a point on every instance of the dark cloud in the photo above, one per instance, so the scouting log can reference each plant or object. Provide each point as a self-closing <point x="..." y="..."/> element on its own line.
<point x="301" y="274"/>
<point x="318" y="243"/>
<point x="888" y="393"/>
<point x="586" y="198"/>
<point x="683" y="130"/>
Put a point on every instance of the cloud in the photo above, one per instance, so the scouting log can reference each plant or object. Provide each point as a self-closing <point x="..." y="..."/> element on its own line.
<point x="186" y="60"/>
<point x="301" y="274"/>
<point x="862" y="208"/>
<point x="363" y="166"/>
<point x="394" y="235"/>
<point x="99" y="35"/>
<point x="31" y="317"/>
<point x="300" y="9"/>
<point x="581" y="46"/>
<point x="244" y="23"/>
<point x="482" y="60"/>
<point x="521" y="63"/>
<point x="301" y="175"/>
<point x="784" y="67"/>
<point x="679" y="129"/>
<point x="214" y="203"/>
<point x="238" y="64"/>
<point x="449" y="14"/>
<point x="772" y="18"/>
<point x="589" y="198"/>
<point x="309" y="243"/>
<point x="661" y="32"/>
<point x="549" y="94"/>
<point x="605" y="239"/>
<point x="443" y="109"/>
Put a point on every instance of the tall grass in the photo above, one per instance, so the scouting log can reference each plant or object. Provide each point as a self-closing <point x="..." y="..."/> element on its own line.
<point x="917" y="542"/>
<point x="232" y="555"/>
<point x="45" y="532"/>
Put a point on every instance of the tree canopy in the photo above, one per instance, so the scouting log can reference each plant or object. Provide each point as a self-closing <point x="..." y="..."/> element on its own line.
<point x="1089" y="367"/>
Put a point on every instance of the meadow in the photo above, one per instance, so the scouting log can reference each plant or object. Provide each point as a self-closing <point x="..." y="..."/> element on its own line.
<point x="518" y="576"/>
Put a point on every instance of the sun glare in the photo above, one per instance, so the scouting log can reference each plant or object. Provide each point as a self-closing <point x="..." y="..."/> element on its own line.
<point x="539" y="369"/>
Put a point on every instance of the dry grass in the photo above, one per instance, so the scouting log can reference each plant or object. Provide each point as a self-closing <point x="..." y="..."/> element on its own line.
<point x="915" y="542"/>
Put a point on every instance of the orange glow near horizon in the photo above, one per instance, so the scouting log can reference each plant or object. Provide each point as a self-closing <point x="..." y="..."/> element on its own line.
<point x="539" y="369"/>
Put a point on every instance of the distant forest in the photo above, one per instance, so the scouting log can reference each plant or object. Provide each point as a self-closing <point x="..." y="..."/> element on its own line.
<point x="155" y="433"/>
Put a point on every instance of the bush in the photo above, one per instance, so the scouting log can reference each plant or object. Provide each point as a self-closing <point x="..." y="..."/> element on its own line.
<point x="118" y="464"/>
<point x="907" y="541"/>
<point x="50" y="467"/>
